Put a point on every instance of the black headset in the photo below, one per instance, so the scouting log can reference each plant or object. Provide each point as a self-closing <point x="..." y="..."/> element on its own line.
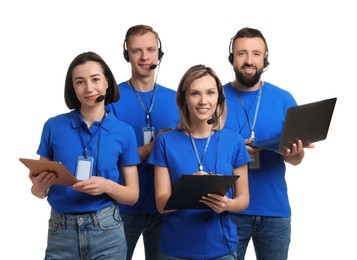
<point x="126" y="55"/>
<point x="221" y="97"/>
<point x="231" y="56"/>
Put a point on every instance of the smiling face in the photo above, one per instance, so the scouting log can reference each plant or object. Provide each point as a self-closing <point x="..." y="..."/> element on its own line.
<point x="201" y="99"/>
<point x="89" y="82"/>
<point x="143" y="52"/>
<point x="249" y="54"/>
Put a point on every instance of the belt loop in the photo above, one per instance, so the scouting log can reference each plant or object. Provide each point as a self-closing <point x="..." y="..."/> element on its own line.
<point x="95" y="220"/>
<point x="63" y="221"/>
<point x="115" y="211"/>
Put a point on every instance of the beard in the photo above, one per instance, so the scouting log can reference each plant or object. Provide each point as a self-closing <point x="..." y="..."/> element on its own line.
<point x="248" y="81"/>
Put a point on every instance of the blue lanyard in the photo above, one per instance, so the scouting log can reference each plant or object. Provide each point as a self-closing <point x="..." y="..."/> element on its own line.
<point x="251" y="125"/>
<point x="200" y="160"/>
<point x="147" y="111"/>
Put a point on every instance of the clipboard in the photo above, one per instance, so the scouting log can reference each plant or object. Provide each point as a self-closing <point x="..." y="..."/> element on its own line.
<point x="65" y="177"/>
<point x="190" y="188"/>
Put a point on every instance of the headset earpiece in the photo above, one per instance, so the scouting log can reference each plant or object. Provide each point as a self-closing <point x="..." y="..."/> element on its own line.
<point x="266" y="62"/>
<point x="230" y="56"/>
<point x="221" y="99"/>
<point x="125" y="52"/>
<point x="161" y="53"/>
<point x="181" y="99"/>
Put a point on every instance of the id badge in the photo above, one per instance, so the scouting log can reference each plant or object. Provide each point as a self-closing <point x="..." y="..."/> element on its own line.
<point x="84" y="167"/>
<point x="255" y="165"/>
<point x="148" y="134"/>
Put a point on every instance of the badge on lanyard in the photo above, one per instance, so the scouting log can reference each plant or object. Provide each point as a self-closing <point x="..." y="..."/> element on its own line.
<point x="148" y="134"/>
<point x="84" y="167"/>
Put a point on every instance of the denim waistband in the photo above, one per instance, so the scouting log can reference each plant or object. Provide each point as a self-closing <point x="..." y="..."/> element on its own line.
<point x="74" y="219"/>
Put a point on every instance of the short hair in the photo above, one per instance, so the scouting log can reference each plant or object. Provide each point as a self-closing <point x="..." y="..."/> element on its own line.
<point x="140" y="29"/>
<point x="248" y="32"/>
<point x="112" y="93"/>
<point x="192" y="74"/>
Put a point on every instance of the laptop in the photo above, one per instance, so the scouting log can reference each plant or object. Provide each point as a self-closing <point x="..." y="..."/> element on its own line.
<point x="308" y="122"/>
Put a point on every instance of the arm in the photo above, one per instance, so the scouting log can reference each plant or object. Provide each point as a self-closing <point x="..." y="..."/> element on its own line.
<point x="162" y="188"/>
<point x="241" y="190"/>
<point x="145" y="150"/>
<point x="125" y="194"/>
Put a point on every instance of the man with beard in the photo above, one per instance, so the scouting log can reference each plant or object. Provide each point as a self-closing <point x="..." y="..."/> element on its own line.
<point x="256" y="109"/>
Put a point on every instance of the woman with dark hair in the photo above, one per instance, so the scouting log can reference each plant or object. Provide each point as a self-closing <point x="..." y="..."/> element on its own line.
<point x="85" y="222"/>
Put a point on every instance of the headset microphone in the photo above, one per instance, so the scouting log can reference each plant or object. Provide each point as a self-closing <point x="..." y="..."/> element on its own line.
<point x="211" y="121"/>
<point x="100" y="98"/>
<point x="153" y="66"/>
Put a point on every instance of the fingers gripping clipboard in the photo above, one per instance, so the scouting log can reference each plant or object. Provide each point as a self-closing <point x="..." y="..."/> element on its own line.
<point x="190" y="188"/>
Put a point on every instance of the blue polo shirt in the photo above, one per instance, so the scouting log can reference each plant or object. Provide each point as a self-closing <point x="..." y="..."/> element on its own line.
<point x="164" y="114"/>
<point x="112" y="144"/>
<point x="198" y="234"/>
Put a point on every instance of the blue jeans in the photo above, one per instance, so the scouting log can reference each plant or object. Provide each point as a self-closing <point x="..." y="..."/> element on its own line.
<point x="148" y="225"/>
<point x="167" y="257"/>
<point x="98" y="235"/>
<point x="270" y="235"/>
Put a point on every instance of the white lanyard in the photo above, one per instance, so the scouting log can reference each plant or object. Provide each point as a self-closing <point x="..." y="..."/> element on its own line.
<point x="256" y="109"/>
<point x="200" y="160"/>
<point x="147" y="111"/>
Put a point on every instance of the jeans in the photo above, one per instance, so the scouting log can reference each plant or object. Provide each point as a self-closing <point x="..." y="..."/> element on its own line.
<point x="148" y="225"/>
<point x="270" y="235"/>
<point x="98" y="235"/>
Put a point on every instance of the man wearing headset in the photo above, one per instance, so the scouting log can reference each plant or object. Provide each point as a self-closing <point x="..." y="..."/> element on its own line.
<point x="256" y="109"/>
<point x="150" y="109"/>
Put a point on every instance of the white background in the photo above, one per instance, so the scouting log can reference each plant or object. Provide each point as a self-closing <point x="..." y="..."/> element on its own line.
<point x="312" y="48"/>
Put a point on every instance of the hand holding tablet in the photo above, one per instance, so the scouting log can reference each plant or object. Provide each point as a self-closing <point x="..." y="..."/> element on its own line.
<point x="65" y="177"/>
